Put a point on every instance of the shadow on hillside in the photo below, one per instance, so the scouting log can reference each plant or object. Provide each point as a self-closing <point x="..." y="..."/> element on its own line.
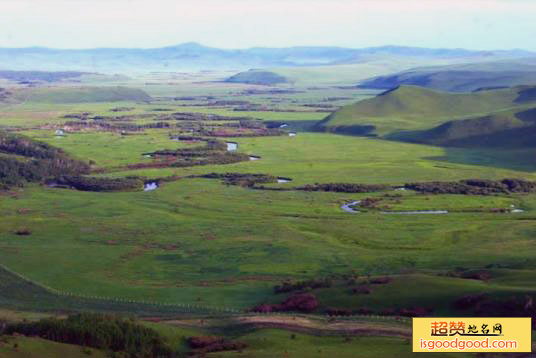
<point x="523" y="160"/>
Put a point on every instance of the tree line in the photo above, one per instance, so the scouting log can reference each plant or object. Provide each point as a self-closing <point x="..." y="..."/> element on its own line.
<point x="105" y="332"/>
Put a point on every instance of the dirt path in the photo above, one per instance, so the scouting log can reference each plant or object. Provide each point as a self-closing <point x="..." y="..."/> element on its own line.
<point x="306" y="325"/>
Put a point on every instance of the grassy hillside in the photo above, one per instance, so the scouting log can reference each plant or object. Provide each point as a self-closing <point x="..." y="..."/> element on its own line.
<point x="505" y="129"/>
<point x="461" y="78"/>
<point x="82" y="95"/>
<point x="257" y="78"/>
<point x="419" y="114"/>
<point x="31" y="347"/>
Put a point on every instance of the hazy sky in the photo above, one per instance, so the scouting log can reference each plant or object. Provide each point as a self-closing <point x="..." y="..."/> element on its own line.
<point x="475" y="24"/>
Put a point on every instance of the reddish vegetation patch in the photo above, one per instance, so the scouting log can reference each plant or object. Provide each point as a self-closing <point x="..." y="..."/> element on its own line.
<point x="209" y="344"/>
<point x="302" y="302"/>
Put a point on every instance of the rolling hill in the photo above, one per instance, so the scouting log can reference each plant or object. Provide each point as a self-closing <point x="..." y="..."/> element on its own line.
<point x="257" y="77"/>
<point x="462" y="77"/>
<point x="82" y="94"/>
<point x="503" y="117"/>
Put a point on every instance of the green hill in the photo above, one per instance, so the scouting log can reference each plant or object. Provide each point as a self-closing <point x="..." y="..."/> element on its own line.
<point x="257" y="77"/>
<point x="82" y="95"/>
<point x="461" y="77"/>
<point x="483" y="118"/>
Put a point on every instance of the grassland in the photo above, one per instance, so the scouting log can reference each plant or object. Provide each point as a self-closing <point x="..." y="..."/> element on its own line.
<point x="199" y="242"/>
<point x="262" y="342"/>
<point x="26" y="347"/>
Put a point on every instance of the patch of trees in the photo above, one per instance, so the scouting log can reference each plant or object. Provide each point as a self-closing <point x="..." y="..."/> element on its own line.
<point x="98" y="331"/>
<point x="100" y="183"/>
<point x="475" y="187"/>
<point x="19" y="145"/>
<point x="208" y="344"/>
<point x="286" y="287"/>
<point x="41" y="162"/>
<point x="345" y="187"/>
<point x="300" y="302"/>
<point x="244" y="180"/>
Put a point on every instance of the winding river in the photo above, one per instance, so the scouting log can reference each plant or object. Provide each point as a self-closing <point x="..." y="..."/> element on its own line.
<point x="282" y="180"/>
<point x="150" y="186"/>
<point x="232" y="146"/>
<point x="349" y="208"/>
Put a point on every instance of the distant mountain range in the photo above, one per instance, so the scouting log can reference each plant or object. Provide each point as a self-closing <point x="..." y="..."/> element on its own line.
<point x="192" y="56"/>
<point x="462" y="77"/>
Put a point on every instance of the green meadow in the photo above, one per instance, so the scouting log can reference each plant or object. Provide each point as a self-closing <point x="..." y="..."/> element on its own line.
<point x="196" y="241"/>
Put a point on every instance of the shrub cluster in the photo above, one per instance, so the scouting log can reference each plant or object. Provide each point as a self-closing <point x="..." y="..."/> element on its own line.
<point x="41" y="161"/>
<point x="301" y="302"/>
<point x="244" y="180"/>
<point x="190" y="116"/>
<point x="345" y="187"/>
<point x="475" y="187"/>
<point x="485" y="306"/>
<point x="208" y="344"/>
<point x="26" y="147"/>
<point x="100" y="184"/>
<point x="481" y="275"/>
<point x="213" y="152"/>
<point x="286" y="287"/>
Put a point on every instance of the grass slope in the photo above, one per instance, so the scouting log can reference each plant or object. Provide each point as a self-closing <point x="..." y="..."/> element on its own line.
<point x="258" y="78"/>
<point x="32" y="347"/>
<point x="419" y="114"/>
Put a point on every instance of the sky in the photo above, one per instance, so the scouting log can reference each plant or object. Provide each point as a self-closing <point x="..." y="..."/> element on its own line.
<point x="471" y="24"/>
